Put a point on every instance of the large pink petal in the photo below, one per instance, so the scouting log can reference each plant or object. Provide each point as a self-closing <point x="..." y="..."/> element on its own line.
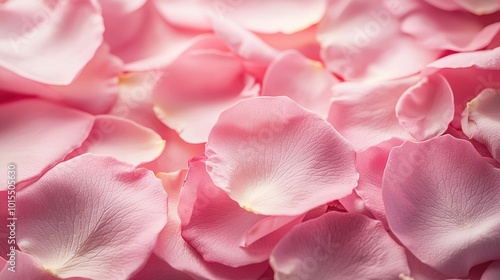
<point x="481" y="120"/>
<point x="35" y="135"/>
<point x="92" y="217"/>
<point x="173" y="249"/>
<point x="191" y="95"/>
<point x="426" y="109"/>
<point x="98" y="80"/>
<point x="364" y="113"/>
<point x="339" y="246"/>
<point x="457" y="31"/>
<point x="282" y="160"/>
<point x="122" y="139"/>
<point x="220" y="230"/>
<point x="303" y="80"/>
<point x="441" y="199"/>
<point x="362" y="40"/>
<point x="67" y="33"/>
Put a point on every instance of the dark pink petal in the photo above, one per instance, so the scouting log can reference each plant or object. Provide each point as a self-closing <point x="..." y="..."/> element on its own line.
<point x="364" y="112"/>
<point x="305" y="81"/>
<point x="220" y="230"/>
<point x="35" y="135"/>
<point x="362" y="40"/>
<point x="67" y="33"/>
<point x="442" y="202"/>
<point x="92" y="217"/>
<point x="157" y="269"/>
<point x="173" y="249"/>
<point x="26" y="267"/>
<point x="426" y="109"/>
<point x="481" y="120"/>
<point x="492" y="272"/>
<point x="282" y="160"/>
<point x="122" y="139"/>
<point x="339" y="246"/>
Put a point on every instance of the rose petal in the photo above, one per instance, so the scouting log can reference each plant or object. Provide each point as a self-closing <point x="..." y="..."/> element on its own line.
<point x="426" y="109"/>
<point x="92" y="217"/>
<point x="339" y="245"/>
<point x="492" y="272"/>
<point x="35" y="135"/>
<point x="282" y="160"/>
<point x="441" y="199"/>
<point x="25" y="267"/>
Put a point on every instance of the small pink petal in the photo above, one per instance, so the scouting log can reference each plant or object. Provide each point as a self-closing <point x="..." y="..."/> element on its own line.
<point x="92" y="217"/>
<point x="441" y="199"/>
<point x="122" y="139"/>
<point x="25" y="267"/>
<point x="67" y="33"/>
<point x="305" y="81"/>
<point x="157" y="269"/>
<point x="481" y="120"/>
<point x="364" y="112"/>
<point x="339" y="246"/>
<point x="426" y="109"/>
<point x="492" y="272"/>
<point x="35" y="135"/>
<point x="282" y="160"/>
<point x="220" y="230"/>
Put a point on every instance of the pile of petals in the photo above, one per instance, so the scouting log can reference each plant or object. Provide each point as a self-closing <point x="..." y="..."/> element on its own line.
<point x="250" y="139"/>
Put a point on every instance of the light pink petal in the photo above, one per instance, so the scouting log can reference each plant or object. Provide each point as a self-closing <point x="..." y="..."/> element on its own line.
<point x="480" y="7"/>
<point x="35" y="135"/>
<point x="92" y="217"/>
<point x="191" y="95"/>
<point x="173" y="249"/>
<point x="122" y="139"/>
<point x="447" y="5"/>
<point x="426" y="109"/>
<point x="282" y="160"/>
<point x="445" y="30"/>
<point x="243" y="42"/>
<point x="364" y="112"/>
<point x="353" y="203"/>
<point x="492" y="272"/>
<point x="98" y="80"/>
<point x="67" y="33"/>
<point x="153" y="42"/>
<point x="305" y="81"/>
<point x="370" y="165"/>
<point x="339" y="246"/>
<point x="25" y="267"/>
<point x="481" y="120"/>
<point x="441" y="199"/>
<point x="135" y="104"/>
<point x="422" y="271"/>
<point x="220" y="230"/>
<point x="285" y="16"/>
<point x="362" y="40"/>
<point x="468" y="74"/>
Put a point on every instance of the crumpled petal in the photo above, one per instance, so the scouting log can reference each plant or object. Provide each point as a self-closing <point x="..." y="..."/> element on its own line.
<point x="35" y="135"/>
<point x="92" y="217"/>
<point x="220" y="230"/>
<point x="339" y="246"/>
<point x="305" y="81"/>
<point x="364" y="112"/>
<point x="362" y="40"/>
<point x="122" y="139"/>
<point x="426" y="109"/>
<point x="281" y="160"/>
<point x="441" y="199"/>
<point x="481" y="120"/>
<point x="173" y="249"/>
<point x="191" y="95"/>
<point x="67" y="33"/>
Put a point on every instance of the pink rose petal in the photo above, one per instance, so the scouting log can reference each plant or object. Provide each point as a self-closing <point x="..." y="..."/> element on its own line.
<point x="281" y="159"/>
<point x="441" y="199"/>
<point x="426" y="109"/>
<point x="339" y="246"/>
<point x="492" y="272"/>
<point x="92" y="217"/>
<point x="481" y="120"/>
<point x="35" y="135"/>
<point x="25" y="267"/>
